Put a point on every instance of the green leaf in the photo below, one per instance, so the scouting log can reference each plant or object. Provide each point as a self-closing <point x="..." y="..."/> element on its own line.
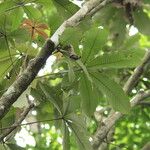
<point x="104" y="15"/>
<point x="83" y="67"/>
<point x="52" y="96"/>
<point x="71" y="73"/>
<point x="9" y="118"/>
<point x="20" y="36"/>
<point x="22" y="100"/>
<point x="16" y="16"/>
<point x="45" y="3"/>
<point x="142" y="21"/>
<point x="65" y="8"/>
<point x="118" y="59"/>
<point x="66" y="139"/>
<point x="5" y="61"/>
<point x="2" y="147"/>
<point x="72" y="36"/>
<point x="71" y="104"/>
<point x="88" y="95"/>
<point x="77" y="124"/>
<point x="4" y="6"/>
<point x="38" y="94"/>
<point x="94" y="40"/>
<point x="32" y="12"/>
<point x="118" y="28"/>
<point x="113" y="92"/>
<point x="131" y="42"/>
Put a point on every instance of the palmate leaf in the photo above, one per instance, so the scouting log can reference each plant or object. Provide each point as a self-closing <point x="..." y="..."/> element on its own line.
<point x="113" y="92"/>
<point x="120" y="59"/>
<point x="77" y="125"/>
<point x="89" y="96"/>
<point x="93" y="40"/>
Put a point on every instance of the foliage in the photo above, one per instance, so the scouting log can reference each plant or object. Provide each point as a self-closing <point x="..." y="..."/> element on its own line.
<point x="69" y="91"/>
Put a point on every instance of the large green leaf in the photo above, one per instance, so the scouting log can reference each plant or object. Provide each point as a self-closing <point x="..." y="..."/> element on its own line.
<point x="52" y="96"/>
<point x="4" y="6"/>
<point x="88" y="95"/>
<point x="113" y="92"/>
<point x="32" y="12"/>
<point x="77" y="124"/>
<point x="118" y="28"/>
<point x="104" y="15"/>
<point x="16" y="16"/>
<point x="118" y="59"/>
<point x="66" y="138"/>
<point x="71" y="104"/>
<point x="72" y="36"/>
<point x="94" y="40"/>
<point x="142" y="21"/>
<point x="6" y="62"/>
<point x="71" y="74"/>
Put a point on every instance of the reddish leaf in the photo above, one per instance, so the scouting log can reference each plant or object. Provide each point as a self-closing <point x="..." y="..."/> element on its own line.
<point x="35" y="28"/>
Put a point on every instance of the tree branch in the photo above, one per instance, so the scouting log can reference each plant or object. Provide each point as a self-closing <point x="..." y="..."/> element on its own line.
<point x="110" y="121"/>
<point x="102" y="131"/>
<point x="134" y="78"/>
<point x="29" y="74"/>
<point x="25" y="79"/>
<point x="100" y="6"/>
<point x="17" y="123"/>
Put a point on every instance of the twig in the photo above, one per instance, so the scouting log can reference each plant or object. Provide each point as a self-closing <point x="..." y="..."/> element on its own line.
<point x="29" y="123"/>
<point x="17" y="123"/>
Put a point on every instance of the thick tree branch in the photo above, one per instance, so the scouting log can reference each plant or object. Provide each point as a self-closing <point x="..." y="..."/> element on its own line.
<point x="17" y="123"/>
<point x="25" y="79"/>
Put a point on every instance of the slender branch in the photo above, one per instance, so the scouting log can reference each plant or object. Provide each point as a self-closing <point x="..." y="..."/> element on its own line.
<point x="100" y="6"/>
<point x="109" y="122"/>
<point x="134" y="78"/>
<point x="145" y="104"/>
<point x="17" y="123"/>
<point x="29" y="123"/>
